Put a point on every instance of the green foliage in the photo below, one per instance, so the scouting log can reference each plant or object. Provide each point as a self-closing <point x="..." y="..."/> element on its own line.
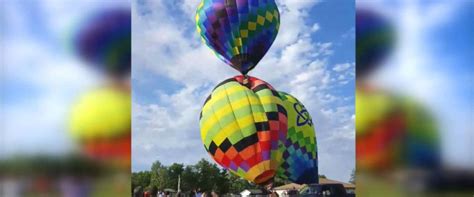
<point x="141" y="179"/>
<point x="173" y="172"/>
<point x="208" y="175"/>
<point x="352" y="180"/>
<point x="279" y="182"/>
<point x="203" y="176"/>
<point x="188" y="179"/>
<point x="238" y="184"/>
<point x="51" y="166"/>
<point x="159" y="176"/>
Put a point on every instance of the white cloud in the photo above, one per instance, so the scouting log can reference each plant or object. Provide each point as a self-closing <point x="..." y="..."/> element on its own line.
<point x="44" y="86"/>
<point x="293" y="14"/>
<point x="315" y="27"/>
<point x="349" y="34"/>
<point x="345" y="73"/>
<point x="168" y="132"/>
<point x="301" y="6"/>
<point x="341" y="67"/>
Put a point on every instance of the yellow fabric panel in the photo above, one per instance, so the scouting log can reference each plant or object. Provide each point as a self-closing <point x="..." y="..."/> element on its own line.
<point x="256" y="170"/>
<point x="252" y="26"/>
<point x="235" y="51"/>
<point x="232" y="128"/>
<point x="260" y="20"/>
<point x="238" y="42"/>
<point x="218" y="95"/>
<point x="104" y="112"/>
<point x="278" y="158"/>
<point x="275" y="14"/>
<point x="226" y="109"/>
<point x="205" y="128"/>
<point x="226" y="131"/>
<point x="269" y="16"/>
<point x="269" y="100"/>
<point x="244" y="33"/>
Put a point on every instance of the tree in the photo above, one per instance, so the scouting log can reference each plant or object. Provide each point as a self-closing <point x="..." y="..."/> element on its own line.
<point x="207" y="175"/>
<point x="222" y="185"/>
<point x="204" y="175"/>
<point x="238" y="184"/>
<point x="141" y="179"/>
<point x="159" y="176"/>
<point x="174" y="171"/>
<point x="212" y="178"/>
<point x="277" y="181"/>
<point x="188" y="179"/>
<point x="352" y="179"/>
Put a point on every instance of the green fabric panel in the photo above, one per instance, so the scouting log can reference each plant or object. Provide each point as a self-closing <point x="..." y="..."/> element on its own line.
<point x="244" y="131"/>
<point x="224" y="101"/>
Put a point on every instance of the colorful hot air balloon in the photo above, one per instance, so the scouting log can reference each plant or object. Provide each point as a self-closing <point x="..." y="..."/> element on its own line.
<point x="393" y="132"/>
<point x="378" y="130"/>
<point x="300" y="158"/>
<point x="101" y="121"/>
<point x="239" y="31"/>
<point x="243" y="124"/>
<point x="104" y="41"/>
<point x="374" y="40"/>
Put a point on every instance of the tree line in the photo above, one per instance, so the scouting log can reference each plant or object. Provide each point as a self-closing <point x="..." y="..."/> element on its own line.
<point x="204" y="176"/>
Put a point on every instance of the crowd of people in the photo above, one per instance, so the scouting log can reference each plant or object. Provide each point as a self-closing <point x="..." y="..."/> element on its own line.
<point x="154" y="192"/>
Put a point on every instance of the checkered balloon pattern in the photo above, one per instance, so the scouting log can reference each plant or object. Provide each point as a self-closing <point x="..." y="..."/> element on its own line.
<point x="240" y="32"/>
<point x="243" y="123"/>
<point x="300" y="161"/>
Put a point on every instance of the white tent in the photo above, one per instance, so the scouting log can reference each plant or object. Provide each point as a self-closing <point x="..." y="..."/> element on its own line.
<point x="252" y="192"/>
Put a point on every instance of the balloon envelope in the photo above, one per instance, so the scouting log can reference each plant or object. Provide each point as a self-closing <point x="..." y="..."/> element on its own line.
<point x="374" y="40"/>
<point x="239" y="31"/>
<point x="300" y="160"/>
<point x="243" y="126"/>
<point x="393" y="132"/>
<point x="104" y="41"/>
<point x="101" y="121"/>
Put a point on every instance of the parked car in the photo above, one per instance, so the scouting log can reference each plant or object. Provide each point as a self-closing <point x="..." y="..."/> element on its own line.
<point x="324" y="190"/>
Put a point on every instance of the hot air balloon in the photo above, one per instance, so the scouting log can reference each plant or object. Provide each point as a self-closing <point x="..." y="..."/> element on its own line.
<point x="300" y="160"/>
<point x="393" y="132"/>
<point x="243" y="123"/>
<point x="104" y="41"/>
<point x="240" y="32"/>
<point x="100" y="122"/>
<point x="374" y="40"/>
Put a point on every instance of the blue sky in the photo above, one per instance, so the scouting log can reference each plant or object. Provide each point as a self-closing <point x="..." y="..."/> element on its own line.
<point x="173" y="72"/>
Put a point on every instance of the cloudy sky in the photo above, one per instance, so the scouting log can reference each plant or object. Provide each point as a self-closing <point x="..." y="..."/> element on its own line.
<point x="40" y="75"/>
<point x="173" y="72"/>
<point x="432" y="63"/>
